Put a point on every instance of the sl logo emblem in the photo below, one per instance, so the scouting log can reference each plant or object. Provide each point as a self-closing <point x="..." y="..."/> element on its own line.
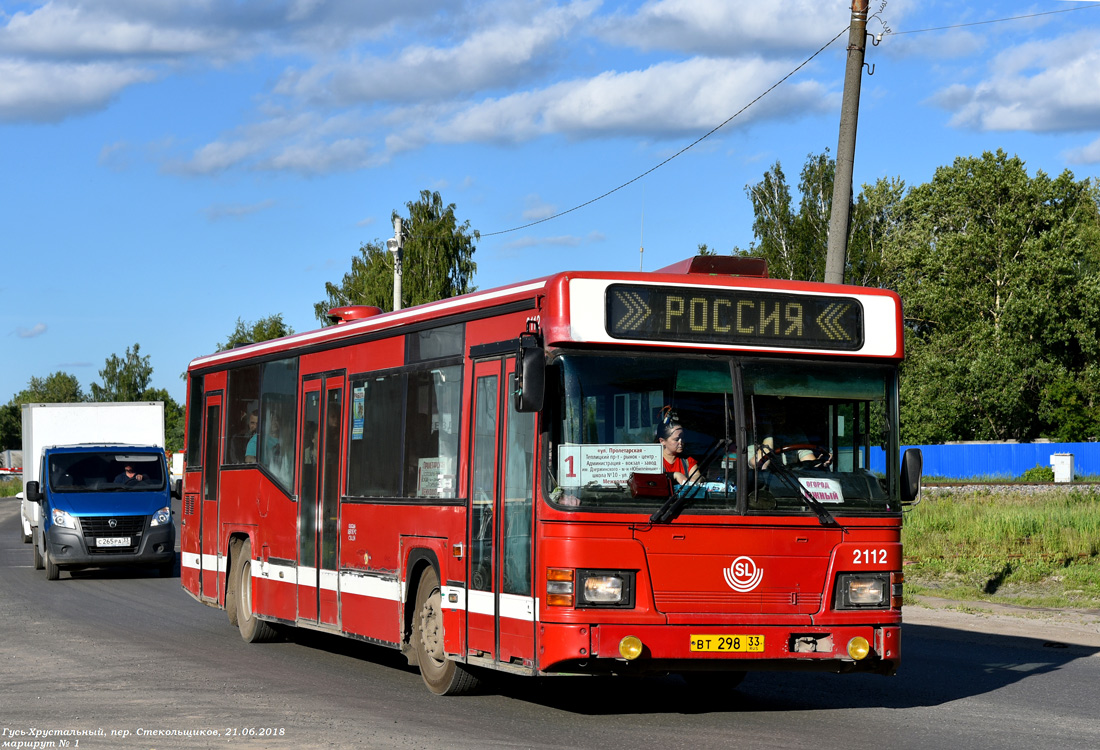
<point x="742" y="575"/>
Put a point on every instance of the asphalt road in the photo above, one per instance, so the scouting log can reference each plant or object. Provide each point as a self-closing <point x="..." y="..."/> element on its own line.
<point x="131" y="654"/>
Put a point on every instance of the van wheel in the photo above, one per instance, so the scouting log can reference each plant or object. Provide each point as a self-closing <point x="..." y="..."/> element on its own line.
<point x="52" y="571"/>
<point x="252" y="630"/>
<point x="442" y="675"/>
<point x="38" y="565"/>
<point x="23" y="533"/>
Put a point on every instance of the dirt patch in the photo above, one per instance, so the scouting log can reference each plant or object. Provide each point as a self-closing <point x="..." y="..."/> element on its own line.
<point x="1079" y="627"/>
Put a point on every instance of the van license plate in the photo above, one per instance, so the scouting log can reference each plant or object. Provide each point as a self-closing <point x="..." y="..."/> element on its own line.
<point x="113" y="541"/>
<point x="727" y="643"/>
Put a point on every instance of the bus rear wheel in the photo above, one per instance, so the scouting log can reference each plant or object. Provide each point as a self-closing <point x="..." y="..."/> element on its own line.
<point x="252" y="629"/>
<point x="442" y="675"/>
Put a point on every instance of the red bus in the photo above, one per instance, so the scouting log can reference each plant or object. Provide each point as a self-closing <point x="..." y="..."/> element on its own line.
<point x="484" y="482"/>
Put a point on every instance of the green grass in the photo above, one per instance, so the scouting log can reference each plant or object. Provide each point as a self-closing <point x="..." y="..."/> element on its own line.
<point x="1039" y="549"/>
<point x="9" y="487"/>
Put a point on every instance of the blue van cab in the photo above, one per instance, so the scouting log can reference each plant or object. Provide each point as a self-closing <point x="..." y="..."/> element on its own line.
<point x="104" y="506"/>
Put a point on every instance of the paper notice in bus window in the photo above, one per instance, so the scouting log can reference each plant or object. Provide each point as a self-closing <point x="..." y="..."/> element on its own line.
<point x="358" y="396"/>
<point x="605" y="465"/>
<point x="823" y="490"/>
<point x="435" y="477"/>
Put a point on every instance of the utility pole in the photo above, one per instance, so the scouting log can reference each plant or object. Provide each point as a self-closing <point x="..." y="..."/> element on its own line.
<point x="396" y="246"/>
<point x="846" y="146"/>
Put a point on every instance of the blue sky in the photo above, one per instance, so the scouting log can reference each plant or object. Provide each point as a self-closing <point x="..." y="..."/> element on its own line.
<point x="170" y="166"/>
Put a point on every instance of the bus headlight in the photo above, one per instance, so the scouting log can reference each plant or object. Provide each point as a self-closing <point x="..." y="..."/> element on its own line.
<point x="162" y="517"/>
<point x="862" y="590"/>
<point x="605" y="588"/>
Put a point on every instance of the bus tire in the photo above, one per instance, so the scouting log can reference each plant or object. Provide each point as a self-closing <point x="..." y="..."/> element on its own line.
<point x="23" y="533"/>
<point x="38" y="565"/>
<point x="442" y="675"/>
<point x="52" y="571"/>
<point x="231" y="582"/>
<point x="252" y="629"/>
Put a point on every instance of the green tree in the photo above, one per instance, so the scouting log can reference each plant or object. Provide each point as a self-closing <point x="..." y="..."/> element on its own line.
<point x="127" y="379"/>
<point x="58" y="388"/>
<point x="264" y="329"/>
<point x="437" y="262"/>
<point x="124" y="379"/>
<point x="1000" y="276"/>
<point x="795" y="243"/>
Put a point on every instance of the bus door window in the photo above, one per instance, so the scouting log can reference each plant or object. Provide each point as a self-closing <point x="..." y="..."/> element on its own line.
<point x="307" y="509"/>
<point x="208" y="512"/>
<point x="482" y="488"/>
<point x="481" y="599"/>
<point x="319" y="500"/>
<point x="518" y="490"/>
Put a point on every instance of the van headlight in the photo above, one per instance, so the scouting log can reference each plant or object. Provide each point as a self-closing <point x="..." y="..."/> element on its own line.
<point x="63" y="519"/>
<point x="162" y="517"/>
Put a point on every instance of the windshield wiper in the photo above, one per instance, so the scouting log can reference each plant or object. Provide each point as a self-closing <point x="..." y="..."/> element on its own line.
<point x="679" y="498"/>
<point x="775" y="464"/>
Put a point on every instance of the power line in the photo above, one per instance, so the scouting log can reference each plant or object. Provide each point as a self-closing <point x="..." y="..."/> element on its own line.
<point x="691" y="145"/>
<point x="774" y="86"/>
<point x="995" y="20"/>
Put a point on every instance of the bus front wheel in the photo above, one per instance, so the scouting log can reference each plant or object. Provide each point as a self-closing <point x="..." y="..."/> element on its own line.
<point x="442" y="675"/>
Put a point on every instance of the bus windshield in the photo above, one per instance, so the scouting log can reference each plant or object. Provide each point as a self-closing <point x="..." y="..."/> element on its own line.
<point x="806" y="429"/>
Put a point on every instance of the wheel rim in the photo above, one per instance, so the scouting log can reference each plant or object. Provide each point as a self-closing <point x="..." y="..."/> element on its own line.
<point x="431" y="628"/>
<point x="246" y="589"/>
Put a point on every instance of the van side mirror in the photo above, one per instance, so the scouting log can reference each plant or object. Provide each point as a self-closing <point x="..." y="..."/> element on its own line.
<point x="33" y="493"/>
<point x="177" y="489"/>
<point x="530" y="374"/>
<point x="912" y="464"/>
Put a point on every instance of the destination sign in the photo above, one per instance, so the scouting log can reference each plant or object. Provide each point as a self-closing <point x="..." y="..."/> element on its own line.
<point x="734" y="316"/>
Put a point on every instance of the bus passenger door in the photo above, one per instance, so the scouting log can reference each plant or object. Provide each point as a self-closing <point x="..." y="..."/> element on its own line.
<point x="319" y="499"/>
<point x="501" y="603"/>
<point x="209" y="578"/>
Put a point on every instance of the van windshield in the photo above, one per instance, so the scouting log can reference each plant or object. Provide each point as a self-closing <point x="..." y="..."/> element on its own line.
<point x="98" y="471"/>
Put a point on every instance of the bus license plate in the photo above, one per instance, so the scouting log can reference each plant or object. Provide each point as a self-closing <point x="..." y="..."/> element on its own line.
<point x="727" y="643"/>
<point x="113" y="541"/>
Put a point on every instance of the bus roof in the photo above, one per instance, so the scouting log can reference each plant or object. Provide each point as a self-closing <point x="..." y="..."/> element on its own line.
<point x="716" y="311"/>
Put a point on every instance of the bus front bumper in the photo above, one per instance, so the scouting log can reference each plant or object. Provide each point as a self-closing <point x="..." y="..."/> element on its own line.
<point x="604" y="649"/>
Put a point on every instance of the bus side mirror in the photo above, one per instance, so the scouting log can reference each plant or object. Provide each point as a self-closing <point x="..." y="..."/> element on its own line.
<point x="177" y="489"/>
<point x="912" y="464"/>
<point x="33" y="494"/>
<point x="530" y="374"/>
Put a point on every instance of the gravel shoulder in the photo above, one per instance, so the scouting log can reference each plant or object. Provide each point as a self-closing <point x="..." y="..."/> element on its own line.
<point x="1079" y="627"/>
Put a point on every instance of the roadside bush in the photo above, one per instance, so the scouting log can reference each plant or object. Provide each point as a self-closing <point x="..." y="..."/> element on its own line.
<point x="1038" y="474"/>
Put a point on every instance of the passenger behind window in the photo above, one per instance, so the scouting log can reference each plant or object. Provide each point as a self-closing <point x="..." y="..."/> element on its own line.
<point x="670" y="434"/>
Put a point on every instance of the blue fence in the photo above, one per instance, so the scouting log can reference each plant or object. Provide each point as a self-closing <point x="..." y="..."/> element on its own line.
<point x="1005" y="460"/>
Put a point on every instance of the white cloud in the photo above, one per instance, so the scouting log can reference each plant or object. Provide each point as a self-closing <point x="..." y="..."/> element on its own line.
<point x="721" y="27"/>
<point x="236" y="211"/>
<point x="29" y="333"/>
<point x="74" y="29"/>
<point x="666" y="100"/>
<point x="1047" y="86"/>
<point x="50" y="92"/>
<point x="535" y="209"/>
<point x="496" y="56"/>
<point x="1089" y="154"/>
